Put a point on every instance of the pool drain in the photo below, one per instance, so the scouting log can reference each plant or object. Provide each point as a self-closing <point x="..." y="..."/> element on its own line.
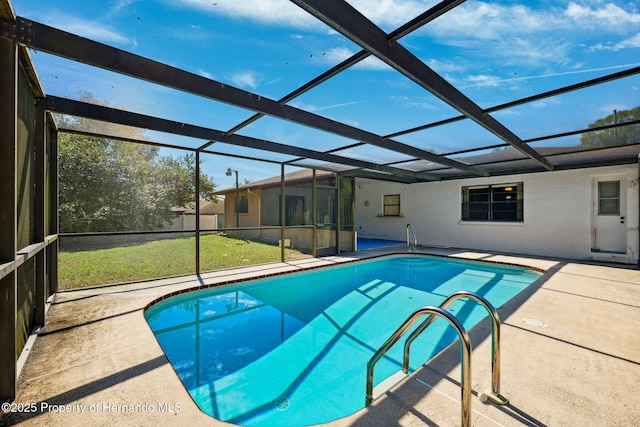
<point x="282" y="403"/>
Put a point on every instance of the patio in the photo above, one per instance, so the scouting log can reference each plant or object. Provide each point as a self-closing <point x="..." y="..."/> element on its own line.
<point x="433" y="113"/>
<point x="570" y="356"/>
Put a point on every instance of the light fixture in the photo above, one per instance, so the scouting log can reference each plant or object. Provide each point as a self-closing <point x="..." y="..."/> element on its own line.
<point x="230" y="173"/>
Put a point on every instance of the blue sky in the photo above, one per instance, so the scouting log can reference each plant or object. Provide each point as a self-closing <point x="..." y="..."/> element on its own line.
<point x="493" y="51"/>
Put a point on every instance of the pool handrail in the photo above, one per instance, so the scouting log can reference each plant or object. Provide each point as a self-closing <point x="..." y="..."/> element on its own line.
<point x="494" y="394"/>
<point x="415" y="238"/>
<point x="465" y="356"/>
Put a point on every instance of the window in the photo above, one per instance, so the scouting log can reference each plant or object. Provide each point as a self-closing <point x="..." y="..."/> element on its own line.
<point x="294" y="210"/>
<point x="609" y="198"/>
<point x="243" y="204"/>
<point x="391" y="205"/>
<point x="500" y="203"/>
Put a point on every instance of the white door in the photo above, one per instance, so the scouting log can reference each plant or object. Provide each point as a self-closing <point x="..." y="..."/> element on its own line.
<point x="610" y="229"/>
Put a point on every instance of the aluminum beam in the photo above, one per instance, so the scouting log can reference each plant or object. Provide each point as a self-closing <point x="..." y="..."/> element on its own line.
<point x="522" y="101"/>
<point x="6" y="10"/>
<point x="345" y="19"/>
<point x="40" y="226"/>
<point x="8" y="214"/>
<point x="54" y="203"/>
<point x="108" y="114"/>
<point x="428" y="16"/>
<point x="61" y="43"/>
<point x="369" y="174"/>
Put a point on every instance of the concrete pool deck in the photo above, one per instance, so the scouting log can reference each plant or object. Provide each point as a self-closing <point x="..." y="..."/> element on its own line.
<point x="570" y="356"/>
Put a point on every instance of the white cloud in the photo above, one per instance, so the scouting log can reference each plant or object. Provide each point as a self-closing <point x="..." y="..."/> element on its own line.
<point x="478" y="20"/>
<point x="608" y="109"/>
<point x="118" y="5"/>
<point x="445" y="66"/>
<point x="631" y="42"/>
<point x="391" y="13"/>
<point x="512" y="33"/>
<point x="531" y="36"/>
<point x="386" y="13"/>
<point x="206" y="74"/>
<point x="94" y="30"/>
<point x="246" y="79"/>
<point x="487" y="80"/>
<point x="277" y="12"/>
<point x="484" y="80"/>
<point x="473" y="19"/>
<point x="423" y="105"/>
<point x="610" y="17"/>
<point x="373" y="63"/>
<point x="545" y="103"/>
<point x="338" y="54"/>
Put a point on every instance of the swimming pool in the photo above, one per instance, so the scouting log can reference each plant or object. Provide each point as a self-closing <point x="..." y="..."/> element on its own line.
<point x="291" y="350"/>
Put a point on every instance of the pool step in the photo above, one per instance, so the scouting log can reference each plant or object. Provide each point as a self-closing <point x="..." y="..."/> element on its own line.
<point x="388" y="383"/>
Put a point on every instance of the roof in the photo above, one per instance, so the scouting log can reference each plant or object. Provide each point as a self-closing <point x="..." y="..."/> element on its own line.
<point x="206" y="208"/>
<point x="405" y="91"/>
<point x="297" y="177"/>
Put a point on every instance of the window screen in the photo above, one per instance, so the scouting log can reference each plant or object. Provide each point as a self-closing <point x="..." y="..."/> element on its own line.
<point x="500" y="203"/>
<point x="391" y="205"/>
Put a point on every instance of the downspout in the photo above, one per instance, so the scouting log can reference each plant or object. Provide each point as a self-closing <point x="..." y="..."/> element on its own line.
<point x="282" y="216"/>
<point x="197" y="190"/>
<point x="338" y="219"/>
<point x="314" y="214"/>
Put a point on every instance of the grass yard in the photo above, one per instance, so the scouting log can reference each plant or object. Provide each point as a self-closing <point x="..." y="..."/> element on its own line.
<point x="162" y="258"/>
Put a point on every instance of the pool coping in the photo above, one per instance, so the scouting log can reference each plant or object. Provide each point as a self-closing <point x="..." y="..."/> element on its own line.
<point x="318" y="267"/>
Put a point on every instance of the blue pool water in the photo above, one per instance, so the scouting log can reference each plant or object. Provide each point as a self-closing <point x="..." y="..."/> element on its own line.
<point x="292" y="350"/>
<point x="369" y="243"/>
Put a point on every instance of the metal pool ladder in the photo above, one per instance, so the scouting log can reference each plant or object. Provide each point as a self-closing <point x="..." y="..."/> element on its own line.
<point x="465" y="350"/>
<point x="413" y="234"/>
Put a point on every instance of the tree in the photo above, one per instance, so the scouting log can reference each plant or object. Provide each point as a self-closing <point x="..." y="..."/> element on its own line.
<point x="622" y="135"/>
<point x="179" y="176"/>
<point x="111" y="185"/>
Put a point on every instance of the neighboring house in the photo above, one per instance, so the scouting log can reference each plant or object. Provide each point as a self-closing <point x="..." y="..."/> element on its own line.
<point x="211" y="216"/>
<point x="259" y="206"/>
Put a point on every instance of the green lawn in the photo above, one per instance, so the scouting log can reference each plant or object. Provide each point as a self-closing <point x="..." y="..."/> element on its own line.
<point x="161" y="258"/>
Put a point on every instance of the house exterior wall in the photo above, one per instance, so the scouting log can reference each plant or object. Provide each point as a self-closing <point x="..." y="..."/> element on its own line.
<point x="250" y="219"/>
<point x="271" y="202"/>
<point x="558" y="213"/>
<point x="264" y="211"/>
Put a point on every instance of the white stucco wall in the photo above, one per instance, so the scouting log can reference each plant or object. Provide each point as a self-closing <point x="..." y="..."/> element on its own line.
<point x="558" y="213"/>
